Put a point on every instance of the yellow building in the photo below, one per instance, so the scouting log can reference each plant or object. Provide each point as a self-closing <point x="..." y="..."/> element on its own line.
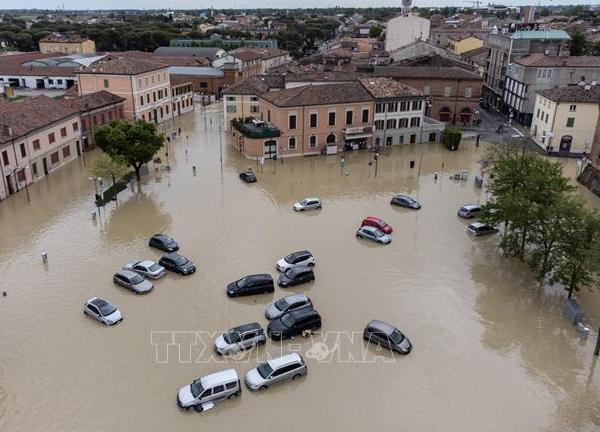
<point x="460" y="43"/>
<point x="66" y="44"/>
<point x="564" y="119"/>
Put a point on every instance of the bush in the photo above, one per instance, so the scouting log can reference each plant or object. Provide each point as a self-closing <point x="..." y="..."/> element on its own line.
<point x="451" y="138"/>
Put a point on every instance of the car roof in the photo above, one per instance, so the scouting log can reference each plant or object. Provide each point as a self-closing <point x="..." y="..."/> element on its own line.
<point x="374" y="218"/>
<point x="303" y="252"/>
<point x="247" y="327"/>
<point x="146" y="263"/>
<point x="471" y="206"/>
<point x="171" y="255"/>
<point x="310" y="199"/>
<point x="383" y="326"/>
<point x="97" y="301"/>
<point x="369" y="228"/>
<point x="302" y="312"/>
<point x="402" y="196"/>
<point x="296" y="298"/>
<point x="127" y="273"/>
<point x="478" y="224"/>
<point x="162" y="236"/>
<point x="299" y="269"/>
<point x="217" y="378"/>
<point x="285" y="360"/>
<point x="265" y="276"/>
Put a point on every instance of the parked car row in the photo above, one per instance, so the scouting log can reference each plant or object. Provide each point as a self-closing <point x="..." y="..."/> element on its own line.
<point x="469" y="211"/>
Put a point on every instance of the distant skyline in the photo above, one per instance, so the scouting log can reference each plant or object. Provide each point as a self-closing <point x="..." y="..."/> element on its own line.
<point x="256" y="4"/>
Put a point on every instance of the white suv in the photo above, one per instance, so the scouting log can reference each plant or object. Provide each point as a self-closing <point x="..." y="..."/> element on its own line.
<point x="308" y="204"/>
<point x="296" y="259"/>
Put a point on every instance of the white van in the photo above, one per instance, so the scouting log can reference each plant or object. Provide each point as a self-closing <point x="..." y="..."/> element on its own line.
<point x="204" y="392"/>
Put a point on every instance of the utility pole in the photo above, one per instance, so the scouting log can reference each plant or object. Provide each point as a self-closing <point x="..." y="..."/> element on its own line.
<point x="220" y="147"/>
<point x="597" y="349"/>
<point x="376" y="157"/>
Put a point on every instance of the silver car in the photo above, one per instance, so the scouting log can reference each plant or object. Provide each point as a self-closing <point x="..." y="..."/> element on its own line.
<point x="276" y="371"/>
<point x="103" y="311"/>
<point x="204" y="392"/>
<point x="240" y="338"/>
<point x="287" y="304"/>
<point x="308" y="204"/>
<point x="373" y="234"/>
<point x="147" y="268"/>
<point x="133" y="281"/>
<point x="469" y="211"/>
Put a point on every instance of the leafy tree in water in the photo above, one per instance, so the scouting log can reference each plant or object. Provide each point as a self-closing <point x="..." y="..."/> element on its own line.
<point x="136" y="143"/>
<point x="107" y="167"/>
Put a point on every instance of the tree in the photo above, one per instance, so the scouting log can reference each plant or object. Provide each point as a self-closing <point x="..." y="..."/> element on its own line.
<point x="109" y="167"/>
<point x="136" y="143"/>
<point x="578" y="45"/>
<point x="451" y="138"/>
<point x="375" y="32"/>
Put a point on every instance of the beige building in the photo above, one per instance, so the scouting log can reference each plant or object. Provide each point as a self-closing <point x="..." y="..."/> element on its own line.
<point x="405" y="29"/>
<point x="143" y="84"/>
<point x="460" y="44"/>
<point x="66" y="44"/>
<point x="564" y="119"/>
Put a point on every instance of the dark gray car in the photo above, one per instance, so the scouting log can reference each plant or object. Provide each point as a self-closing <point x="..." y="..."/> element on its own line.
<point x="405" y="201"/>
<point x="288" y="304"/>
<point x="387" y="336"/>
<point x="133" y="281"/>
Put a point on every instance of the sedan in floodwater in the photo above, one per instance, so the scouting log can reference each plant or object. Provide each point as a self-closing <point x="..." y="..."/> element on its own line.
<point x="133" y="281"/>
<point x="103" y="311"/>
<point x="178" y="264"/>
<point x="248" y="177"/>
<point x="405" y="201"/>
<point x="469" y="211"/>
<point x="276" y="371"/>
<point x="387" y="336"/>
<point x="147" y="268"/>
<point x="373" y="234"/>
<point x="253" y="284"/>
<point x="308" y="204"/>
<point x="376" y="222"/>
<point x="287" y="304"/>
<point x="164" y="243"/>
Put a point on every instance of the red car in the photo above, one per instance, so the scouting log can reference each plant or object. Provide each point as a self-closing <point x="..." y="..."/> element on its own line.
<point x="373" y="221"/>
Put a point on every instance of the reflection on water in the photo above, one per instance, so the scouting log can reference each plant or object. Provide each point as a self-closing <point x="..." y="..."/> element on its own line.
<point x="489" y="341"/>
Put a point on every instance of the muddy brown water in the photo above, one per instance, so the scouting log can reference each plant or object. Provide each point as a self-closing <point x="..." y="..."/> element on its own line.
<point x="492" y="352"/>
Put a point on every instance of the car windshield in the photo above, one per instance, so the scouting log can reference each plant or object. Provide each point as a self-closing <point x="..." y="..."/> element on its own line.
<point x="291" y="272"/>
<point x="264" y="370"/>
<point x="287" y="320"/>
<point x="231" y="337"/>
<point x="396" y="336"/>
<point x="303" y="202"/>
<point x="137" y="279"/>
<point x="196" y="388"/>
<point x="107" y="309"/>
<point x="290" y="259"/>
<point x="154" y="267"/>
<point x="282" y="304"/>
<point x="410" y="200"/>
<point x="181" y="260"/>
<point x="242" y="282"/>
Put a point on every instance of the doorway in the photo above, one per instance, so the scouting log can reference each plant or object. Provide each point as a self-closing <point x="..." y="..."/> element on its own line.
<point x="565" y="143"/>
<point x="9" y="183"/>
<point x="45" y="165"/>
<point x="270" y="149"/>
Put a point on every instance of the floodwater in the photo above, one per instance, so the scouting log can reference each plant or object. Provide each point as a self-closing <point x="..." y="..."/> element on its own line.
<point x="491" y="349"/>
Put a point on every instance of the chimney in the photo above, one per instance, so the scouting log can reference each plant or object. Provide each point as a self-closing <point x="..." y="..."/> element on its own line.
<point x="7" y="130"/>
<point x="587" y="87"/>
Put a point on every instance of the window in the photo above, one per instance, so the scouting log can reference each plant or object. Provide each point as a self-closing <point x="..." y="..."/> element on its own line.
<point x="447" y="91"/>
<point x="401" y="141"/>
<point x="160" y="95"/>
<point x="379" y="124"/>
<point x="253" y="98"/>
<point x="544" y="73"/>
<point x="219" y="389"/>
<point x="34" y="169"/>
<point x="292" y="122"/>
<point x="292" y="144"/>
<point x="403" y="123"/>
<point x="391" y="124"/>
<point x="392" y="106"/>
<point x="468" y="92"/>
<point x="230" y="385"/>
<point x="59" y="81"/>
<point x="230" y="108"/>
<point x="312" y="141"/>
<point x="388" y="140"/>
<point x="153" y="95"/>
<point x="404" y="105"/>
<point x="21" y="175"/>
<point x="546" y="117"/>
<point x="432" y="137"/>
<point x="573" y="108"/>
<point x="380" y="108"/>
<point x="54" y="158"/>
<point x="50" y="81"/>
<point x="36" y="144"/>
<point x="570" y="121"/>
<point x="23" y="152"/>
<point x="148" y="98"/>
<point x="253" y="109"/>
<point x="141" y="100"/>
<point x="102" y="118"/>
<point x="427" y="90"/>
<point x="416" y="105"/>
<point x="51" y="138"/>
<point x="63" y="132"/>
<point x="332" y="119"/>
<point x="66" y="152"/>
<point x="110" y="116"/>
<point x="75" y="127"/>
<point x="313" y="120"/>
<point x="105" y="83"/>
<point x="415" y="122"/>
<point x="365" y="115"/>
<point x="538" y="113"/>
<point x="349" y="115"/>
<point x="5" y="158"/>
<point x="205" y="85"/>
<point x="413" y="138"/>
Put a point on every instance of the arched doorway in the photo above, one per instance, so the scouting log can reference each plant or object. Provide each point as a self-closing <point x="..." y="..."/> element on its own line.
<point x="445" y="114"/>
<point x="565" y="143"/>
<point x="330" y="139"/>
<point x="465" y="115"/>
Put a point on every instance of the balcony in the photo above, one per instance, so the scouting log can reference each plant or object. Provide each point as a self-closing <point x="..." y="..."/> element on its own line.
<point x="256" y="129"/>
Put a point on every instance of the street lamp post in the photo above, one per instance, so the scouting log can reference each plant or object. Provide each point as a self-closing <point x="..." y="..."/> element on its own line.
<point x="376" y="157"/>
<point x="96" y="180"/>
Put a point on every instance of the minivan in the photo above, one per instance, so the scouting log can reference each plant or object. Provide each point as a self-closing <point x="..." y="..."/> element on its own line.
<point x="253" y="284"/>
<point x="204" y="392"/>
<point x="469" y="211"/>
<point x="479" y="229"/>
<point x="276" y="371"/>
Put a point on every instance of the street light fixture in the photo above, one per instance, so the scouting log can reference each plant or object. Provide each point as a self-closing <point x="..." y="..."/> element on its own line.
<point x="96" y="180"/>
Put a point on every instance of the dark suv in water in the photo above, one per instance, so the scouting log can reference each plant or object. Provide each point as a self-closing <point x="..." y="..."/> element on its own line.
<point x="294" y="323"/>
<point x="295" y="276"/>
<point x="253" y="284"/>
<point x="163" y="242"/>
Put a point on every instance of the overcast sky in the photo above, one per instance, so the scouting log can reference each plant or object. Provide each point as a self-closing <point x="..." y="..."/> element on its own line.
<point x="241" y="4"/>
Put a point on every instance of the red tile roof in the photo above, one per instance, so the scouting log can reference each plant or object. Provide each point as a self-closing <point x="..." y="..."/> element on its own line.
<point x="322" y="94"/>
<point x="92" y="101"/>
<point x="542" y="60"/>
<point x="122" y="66"/>
<point x="385" y="88"/>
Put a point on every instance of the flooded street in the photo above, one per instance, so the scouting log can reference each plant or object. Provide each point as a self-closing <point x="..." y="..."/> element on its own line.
<point x="492" y="351"/>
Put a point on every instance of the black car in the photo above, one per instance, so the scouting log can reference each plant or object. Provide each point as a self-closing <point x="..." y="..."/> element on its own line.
<point x="405" y="201"/>
<point x="296" y="276"/>
<point x="294" y="323"/>
<point x="177" y="263"/>
<point x="248" y="177"/>
<point x="387" y="336"/>
<point x="253" y="284"/>
<point x="164" y="243"/>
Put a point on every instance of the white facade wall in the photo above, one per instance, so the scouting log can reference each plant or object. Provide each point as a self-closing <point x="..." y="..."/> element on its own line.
<point x="404" y="30"/>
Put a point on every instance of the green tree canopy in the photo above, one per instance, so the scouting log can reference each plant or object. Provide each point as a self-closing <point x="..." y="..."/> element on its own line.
<point x="109" y="167"/>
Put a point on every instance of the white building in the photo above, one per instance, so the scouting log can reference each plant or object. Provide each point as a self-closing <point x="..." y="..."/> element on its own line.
<point x="405" y="29"/>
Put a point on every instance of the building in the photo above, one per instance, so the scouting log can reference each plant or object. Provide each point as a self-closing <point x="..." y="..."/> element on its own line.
<point x="527" y="14"/>
<point x="400" y="113"/>
<point x="37" y="136"/>
<point x="310" y="120"/>
<point x="18" y="76"/>
<point x="461" y="44"/>
<point x="208" y="82"/>
<point x="182" y="95"/>
<point x="66" y="44"/>
<point x="506" y="48"/>
<point x="144" y="85"/>
<point x="565" y="119"/>
<point x="405" y="29"/>
<point x="441" y="36"/>
<point x="477" y="58"/>
<point x="421" y="53"/>
<point x="536" y="72"/>
<point x="210" y="53"/>
<point x="453" y="92"/>
<point x="255" y="61"/>
<point x="226" y="44"/>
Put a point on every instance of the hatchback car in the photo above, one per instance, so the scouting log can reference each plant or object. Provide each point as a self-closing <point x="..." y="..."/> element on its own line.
<point x="295" y="276"/>
<point x="248" y="177"/>
<point x="376" y="222"/>
<point x="134" y="281"/>
<point x="300" y="258"/>
<point x="294" y="323"/>
<point x="405" y="201"/>
<point x="177" y="263"/>
<point x="240" y="338"/>
<point x="469" y="211"/>
<point x="147" y="268"/>
<point x="164" y="243"/>
<point x="387" y="336"/>
<point x="204" y="392"/>
<point x="276" y="371"/>
<point x="308" y="204"/>
<point x="103" y="311"/>
<point x="287" y="304"/>
<point x="253" y="284"/>
<point x="480" y="229"/>
<point x="373" y="234"/>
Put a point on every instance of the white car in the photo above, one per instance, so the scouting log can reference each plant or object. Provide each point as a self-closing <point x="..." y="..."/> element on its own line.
<point x="296" y="259"/>
<point x="147" y="268"/>
<point x="204" y="392"/>
<point x="308" y="204"/>
<point x="103" y="311"/>
<point x="373" y="234"/>
<point x="275" y="371"/>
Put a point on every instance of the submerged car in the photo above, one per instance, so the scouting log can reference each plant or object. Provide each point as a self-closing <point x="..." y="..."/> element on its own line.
<point x="287" y="304"/>
<point x="248" y="177"/>
<point x="308" y="204"/>
<point x="376" y="222"/>
<point x="373" y="234"/>
<point x="295" y="276"/>
<point x="240" y="338"/>
<point x="204" y="392"/>
<point x="300" y="258"/>
<point x="133" y="281"/>
<point x="387" y="336"/>
<point x="405" y="201"/>
<point x="103" y="311"/>
<point x="178" y="264"/>
<point x="252" y="284"/>
<point x="294" y="323"/>
<point x="480" y="229"/>
<point x="147" y="268"/>
<point x="276" y="371"/>
<point x="164" y="243"/>
<point x="469" y="211"/>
